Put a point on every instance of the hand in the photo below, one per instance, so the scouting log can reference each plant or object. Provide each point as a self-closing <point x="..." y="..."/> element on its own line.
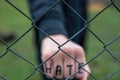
<point x="60" y="65"/>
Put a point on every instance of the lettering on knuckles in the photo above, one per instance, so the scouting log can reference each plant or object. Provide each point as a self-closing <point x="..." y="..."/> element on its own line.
<point x="80" y="67"/>
<point x="70" y="69"/>
<point x="48" y="69"/>
<point x="58" y="69"/>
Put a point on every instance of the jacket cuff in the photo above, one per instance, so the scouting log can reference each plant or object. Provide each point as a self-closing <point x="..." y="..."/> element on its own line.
<point x="51" y="26"/>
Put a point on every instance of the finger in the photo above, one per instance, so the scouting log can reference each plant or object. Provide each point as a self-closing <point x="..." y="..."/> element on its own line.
<point x="48" y="68"/>
<point x="83" y="71"/>
<point x="86" y="72"/>
<point x="85" y="76"/>
<point x="69" y="63"/>
<point x="80" y="61"/>
<point x="58" y="66"/>
<point x="78" y="68"/>
<point x="69" y="67"/>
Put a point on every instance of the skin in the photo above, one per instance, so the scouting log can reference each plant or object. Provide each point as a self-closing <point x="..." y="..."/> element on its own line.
<point x="62" y="61"/>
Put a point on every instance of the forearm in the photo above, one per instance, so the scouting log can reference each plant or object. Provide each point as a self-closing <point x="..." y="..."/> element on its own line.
<point x="51" y="22"/>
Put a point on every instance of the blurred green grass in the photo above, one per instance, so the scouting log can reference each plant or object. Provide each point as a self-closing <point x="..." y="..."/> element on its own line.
<point x="106" y="26"/>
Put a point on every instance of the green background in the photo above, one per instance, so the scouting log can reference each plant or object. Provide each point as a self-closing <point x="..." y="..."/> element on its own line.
<point x="106" y="26"/>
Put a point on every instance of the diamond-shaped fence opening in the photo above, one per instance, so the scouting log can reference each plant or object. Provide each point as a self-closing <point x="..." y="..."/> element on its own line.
<point x="107" y="56"/>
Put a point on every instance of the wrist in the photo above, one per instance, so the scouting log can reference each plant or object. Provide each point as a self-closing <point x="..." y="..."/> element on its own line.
<point x="60" y="38"/>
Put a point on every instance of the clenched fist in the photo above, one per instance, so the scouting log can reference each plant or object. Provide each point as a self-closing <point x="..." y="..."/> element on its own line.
<point x="61" y="65"/>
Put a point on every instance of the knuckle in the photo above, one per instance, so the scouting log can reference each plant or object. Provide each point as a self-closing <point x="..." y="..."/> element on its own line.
<point x="79" y="76"/>
<point x="45" y="56"/>
<point x="68" y="50"/>
<point x="48" y="54"/>
<point x="80" y="50"/>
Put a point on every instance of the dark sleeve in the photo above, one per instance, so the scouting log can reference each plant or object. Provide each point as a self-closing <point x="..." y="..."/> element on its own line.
<point x="52" y="22"/>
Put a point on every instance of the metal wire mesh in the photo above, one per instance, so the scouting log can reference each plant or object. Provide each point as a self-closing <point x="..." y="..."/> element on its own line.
<point x="37" y="68"/>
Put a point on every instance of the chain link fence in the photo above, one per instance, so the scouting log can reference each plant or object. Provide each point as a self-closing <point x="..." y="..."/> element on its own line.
<point x="36" y="68"/>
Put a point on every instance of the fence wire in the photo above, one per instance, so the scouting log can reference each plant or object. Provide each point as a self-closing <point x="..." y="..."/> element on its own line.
<point x="33" y="22"/>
